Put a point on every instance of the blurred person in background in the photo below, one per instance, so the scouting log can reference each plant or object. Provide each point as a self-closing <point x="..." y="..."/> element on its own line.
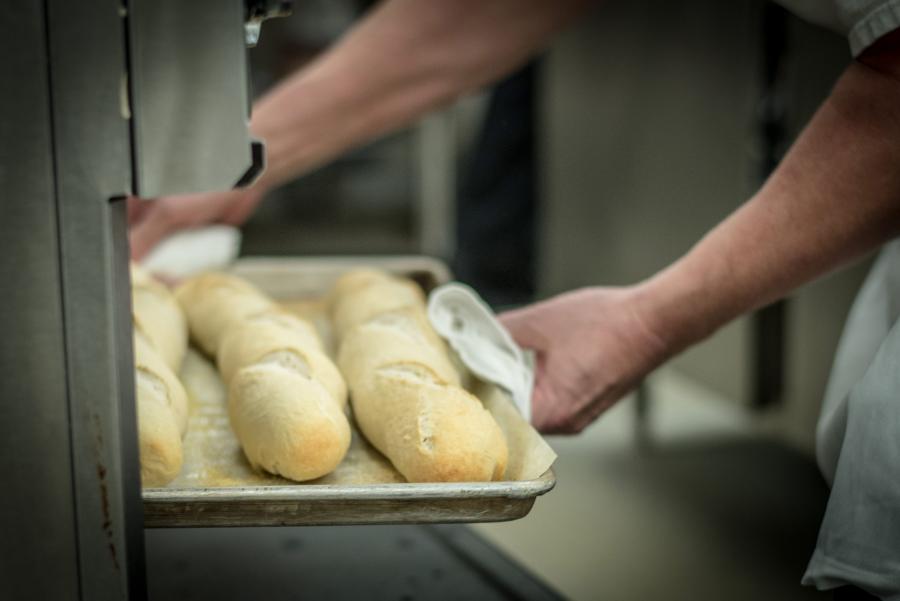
<point x="834" y="197"/>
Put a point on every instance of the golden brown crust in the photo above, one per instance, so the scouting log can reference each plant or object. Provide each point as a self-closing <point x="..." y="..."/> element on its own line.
<point x="214" y="301"/>
<point x="355" y="279"/>
<point x="371" y="346"/>
<point x="287" y="424"/>
<point x="160" y="342"/>
<point x="405" y="390"/>
<point x="150" y="366"/>
<point x="368" y="300"/>
<point x="432" y="432"/>
<point x="286" y="397"/>
<point x="158" y="317"/>
<point x="287" y="341"/>
<point x="246" y="341"/>
<point x="159" y="438"/>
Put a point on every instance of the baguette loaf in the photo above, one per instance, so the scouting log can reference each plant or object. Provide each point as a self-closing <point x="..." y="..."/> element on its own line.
<point x="158" y="317"/>
<point x="274" y="337"/>
<point x="361" y="296"/>
<point x="288" y="424"/>
<point x="286" y="398"/>
<point x="405" y="391"/>
<point x="160" y="340"/>
<point x="149" y="365"/>
<point x="214" y="301"/>
<point x="159" y="438"/>
<point x="160" y="427"/>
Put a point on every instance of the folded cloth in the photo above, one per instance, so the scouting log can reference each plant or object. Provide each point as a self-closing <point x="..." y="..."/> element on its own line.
<point x="482" y="343"/>
<point x="189" y="252"/>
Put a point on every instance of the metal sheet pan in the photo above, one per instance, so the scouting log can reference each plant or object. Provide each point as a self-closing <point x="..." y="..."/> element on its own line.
<point x="325" y="504"/>
<point x="218" y="488"/>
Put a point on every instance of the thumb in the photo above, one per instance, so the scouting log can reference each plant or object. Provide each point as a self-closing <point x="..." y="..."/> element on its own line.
<point x="520" y="323"/>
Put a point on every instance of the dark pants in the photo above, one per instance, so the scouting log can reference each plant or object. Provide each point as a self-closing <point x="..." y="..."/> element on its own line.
<point x="497" y="199"/>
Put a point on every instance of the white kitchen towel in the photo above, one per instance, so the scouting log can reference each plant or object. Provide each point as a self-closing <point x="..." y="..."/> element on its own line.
<point x="190" y="252"/>
<point x="482" y="343"/>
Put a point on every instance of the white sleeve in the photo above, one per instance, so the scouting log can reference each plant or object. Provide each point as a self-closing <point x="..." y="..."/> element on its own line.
<point x="868" y="20"/>
<point x="862" y="21"/>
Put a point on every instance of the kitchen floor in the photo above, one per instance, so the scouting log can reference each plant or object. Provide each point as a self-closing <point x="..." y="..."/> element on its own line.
<point x="700" y="504"/>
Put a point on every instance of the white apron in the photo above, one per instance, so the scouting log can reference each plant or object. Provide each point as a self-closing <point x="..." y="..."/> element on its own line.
<point x="858" y="443"/>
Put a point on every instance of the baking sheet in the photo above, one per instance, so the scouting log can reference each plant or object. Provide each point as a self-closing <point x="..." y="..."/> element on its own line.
<point x="217" y="485"/>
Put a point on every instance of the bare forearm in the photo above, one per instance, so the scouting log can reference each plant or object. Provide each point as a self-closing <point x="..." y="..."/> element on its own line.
<point x="835" y="197"/>
<point x="403" y="59"/>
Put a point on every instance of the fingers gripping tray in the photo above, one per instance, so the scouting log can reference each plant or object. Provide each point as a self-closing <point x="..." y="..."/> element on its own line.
<point x="218" y="487"/>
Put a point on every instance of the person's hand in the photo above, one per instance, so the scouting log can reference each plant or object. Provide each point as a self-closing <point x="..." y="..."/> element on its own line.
<point x="152" y="220"/>
<point x="592" y="347"/>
